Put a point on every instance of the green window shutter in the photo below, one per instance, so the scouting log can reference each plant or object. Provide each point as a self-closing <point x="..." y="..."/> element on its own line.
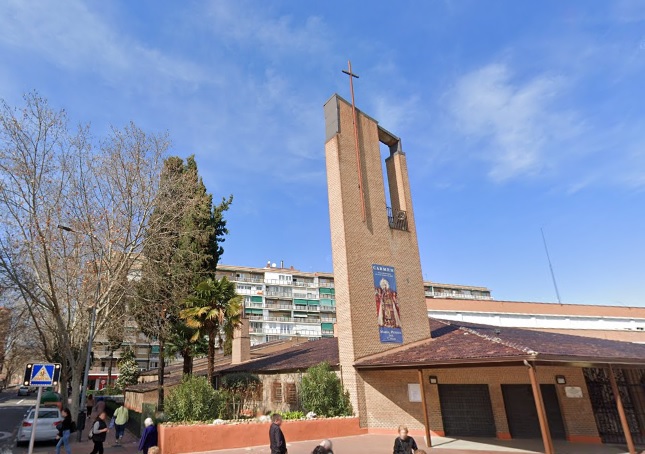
<point x="326" y="291"/>
<point x="256" y="299"/>
<point x="300" y="302"/>
<point x="154" y="349"/>
<point x="327" y="326"/>
<point x="253" y="311"/>
<point x="312" y="303"/>
<point x="326" y="302"/>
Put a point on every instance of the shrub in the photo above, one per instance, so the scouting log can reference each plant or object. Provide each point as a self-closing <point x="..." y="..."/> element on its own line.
<point x="292" y="415"/>
<point x="322" y="392"/>
<point x="239" y="389"/>
<point x="192" y="400"/>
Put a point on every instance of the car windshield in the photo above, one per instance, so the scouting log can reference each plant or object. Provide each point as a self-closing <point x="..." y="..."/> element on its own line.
<point x="44" y="414"/>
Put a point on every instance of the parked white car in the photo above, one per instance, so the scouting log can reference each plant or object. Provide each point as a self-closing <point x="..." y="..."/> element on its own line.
<point x="48" y="419"/>
<point x="23" y="391"/>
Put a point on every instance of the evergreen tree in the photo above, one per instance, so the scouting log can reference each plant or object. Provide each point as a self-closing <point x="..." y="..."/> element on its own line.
<point x="185" y="253"/>
<point x="128" y="370"/>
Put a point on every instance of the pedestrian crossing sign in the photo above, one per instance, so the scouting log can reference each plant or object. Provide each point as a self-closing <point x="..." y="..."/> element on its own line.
<point x="42" y="374"/>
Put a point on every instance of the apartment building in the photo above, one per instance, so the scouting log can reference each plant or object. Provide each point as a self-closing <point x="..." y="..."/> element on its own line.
<point x="284" y="302"/>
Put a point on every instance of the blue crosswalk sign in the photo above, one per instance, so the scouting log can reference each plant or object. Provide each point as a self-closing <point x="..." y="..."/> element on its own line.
<point x="42" y="374"/>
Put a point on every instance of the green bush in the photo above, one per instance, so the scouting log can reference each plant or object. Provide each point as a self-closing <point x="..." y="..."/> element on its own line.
<point x="192" y="400"/>
<point x="292" y="415"/>
<point x="322" y="392"/>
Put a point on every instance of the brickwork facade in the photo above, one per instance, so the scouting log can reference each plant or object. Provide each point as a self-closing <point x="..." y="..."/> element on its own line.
<point x="358" y="244"/>
<point x="387" y="392"/>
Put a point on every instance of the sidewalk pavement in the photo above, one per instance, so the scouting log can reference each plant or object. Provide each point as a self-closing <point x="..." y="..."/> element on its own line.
<point x="129" y="445"/>
<point x="377" y="444"/>
<point x="368" y="444"/>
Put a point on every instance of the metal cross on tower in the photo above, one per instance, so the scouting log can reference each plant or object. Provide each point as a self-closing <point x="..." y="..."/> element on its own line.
<point x="358" y="154"/>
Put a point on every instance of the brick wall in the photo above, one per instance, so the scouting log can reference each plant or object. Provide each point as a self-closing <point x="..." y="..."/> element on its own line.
<point x="357" y="245"/>
<point x="388" y="405"/>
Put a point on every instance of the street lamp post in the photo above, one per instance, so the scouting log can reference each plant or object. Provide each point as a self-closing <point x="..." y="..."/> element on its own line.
<point x="90" y="340"/>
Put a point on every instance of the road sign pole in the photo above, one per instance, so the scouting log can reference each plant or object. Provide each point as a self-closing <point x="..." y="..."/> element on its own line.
<point x="33" y="427"/>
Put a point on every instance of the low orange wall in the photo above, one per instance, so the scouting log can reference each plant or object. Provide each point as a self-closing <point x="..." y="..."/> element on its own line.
<point x="200" y="438"/>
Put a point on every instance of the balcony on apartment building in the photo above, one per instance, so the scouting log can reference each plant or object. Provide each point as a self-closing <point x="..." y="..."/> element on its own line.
<point x="457" y="294"/>
<point x="279" y="293"/>
<point x="280" y="306"/>
<point x="241" y="278"/>
<point x="306" y="284"/>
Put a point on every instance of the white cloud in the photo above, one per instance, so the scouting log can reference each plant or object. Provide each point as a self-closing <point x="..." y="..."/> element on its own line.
<point x="519" y="124"/>
<point x="71" y="36"/>
<point x="254" y="25"/>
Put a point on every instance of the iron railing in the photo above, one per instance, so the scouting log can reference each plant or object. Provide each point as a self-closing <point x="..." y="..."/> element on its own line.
<point x="398" y="219"/>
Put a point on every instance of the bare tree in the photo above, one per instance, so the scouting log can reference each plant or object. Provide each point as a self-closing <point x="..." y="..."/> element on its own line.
<point x="51" y="175"/>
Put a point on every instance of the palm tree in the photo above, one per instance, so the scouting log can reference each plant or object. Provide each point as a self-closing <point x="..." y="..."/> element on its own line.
<point x="180" y="342"/>
<point x="214" y="308"/>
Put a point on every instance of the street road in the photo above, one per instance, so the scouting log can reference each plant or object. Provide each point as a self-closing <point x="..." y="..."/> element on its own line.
<point x="12" y="410"/>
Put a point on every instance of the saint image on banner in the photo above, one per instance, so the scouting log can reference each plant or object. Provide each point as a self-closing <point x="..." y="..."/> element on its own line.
<point x="387" y="304"/>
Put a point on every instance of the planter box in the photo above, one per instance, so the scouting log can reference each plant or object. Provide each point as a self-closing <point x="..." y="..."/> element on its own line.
<point x="201" y="438"/>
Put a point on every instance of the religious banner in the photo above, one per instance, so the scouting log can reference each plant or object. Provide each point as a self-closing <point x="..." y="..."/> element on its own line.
<point x="387" y="304"/>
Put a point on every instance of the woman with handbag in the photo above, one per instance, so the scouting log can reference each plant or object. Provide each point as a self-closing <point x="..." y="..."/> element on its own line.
<point x="99" y="433"/>
<point x="64" y="429"/>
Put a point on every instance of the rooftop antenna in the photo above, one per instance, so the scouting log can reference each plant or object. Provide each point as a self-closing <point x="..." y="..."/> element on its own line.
<point x="546" y="249"/>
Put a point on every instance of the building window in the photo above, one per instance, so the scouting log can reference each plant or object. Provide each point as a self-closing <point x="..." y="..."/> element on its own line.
<point x="276" y="392"/>
<point x="292" y="395"/>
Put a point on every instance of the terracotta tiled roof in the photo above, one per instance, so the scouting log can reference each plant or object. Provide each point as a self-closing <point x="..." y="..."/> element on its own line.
<point x="279" y="356"/>
<point x="467" y="343"/>
<point x="451" y="343"/>
<point x="298" y="357"/>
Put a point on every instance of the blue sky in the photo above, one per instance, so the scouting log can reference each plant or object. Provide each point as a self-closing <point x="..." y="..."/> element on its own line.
<point x="515" y="116"/>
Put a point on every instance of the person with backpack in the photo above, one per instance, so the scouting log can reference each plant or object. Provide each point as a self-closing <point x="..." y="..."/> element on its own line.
<point x="64" y="430"/>
<point x="99" y="433"/>
<point x="121" y="417"/>
<point x="404" y="444"/>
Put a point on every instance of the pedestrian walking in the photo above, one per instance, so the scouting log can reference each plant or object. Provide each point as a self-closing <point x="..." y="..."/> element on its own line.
<point x="64" y="430"/>
<point x="121" y="417"/>
<point x="403" y="443"/>
<point x="323" y="448"/>
<point x="276" y="438"/>
<point x="99" y="433"/>
<point x="149" y="437"/>
<point x="99" y="407"/>
<point x="89" y="404"/>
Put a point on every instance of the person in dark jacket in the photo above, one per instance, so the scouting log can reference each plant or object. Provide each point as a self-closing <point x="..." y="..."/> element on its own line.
<point x="276" y="437"/>
<point x="64" y="431"/>
<point x="149" y="437"/>
<point x="404" y="444"/>
<point x="323" y="448"/>
<point x="99" y="433"/>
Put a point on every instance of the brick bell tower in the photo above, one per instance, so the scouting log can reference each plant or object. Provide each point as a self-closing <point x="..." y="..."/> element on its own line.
<point x="380" y="300"/>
